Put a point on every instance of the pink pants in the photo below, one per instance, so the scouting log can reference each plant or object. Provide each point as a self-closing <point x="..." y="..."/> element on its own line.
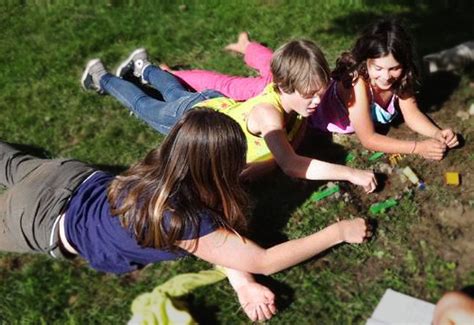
<point x="256" y="56"/>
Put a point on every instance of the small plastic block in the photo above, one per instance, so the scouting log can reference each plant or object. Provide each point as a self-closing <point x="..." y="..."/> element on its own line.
<point x="382" y="206"/>
<point x="411" y="175"/>
<point x="319" y="195"/>
<point x="350" y="157"/>
<point x="394" y="159"/>
<point x="452" y="178"/>
<point x="375" y="156"/>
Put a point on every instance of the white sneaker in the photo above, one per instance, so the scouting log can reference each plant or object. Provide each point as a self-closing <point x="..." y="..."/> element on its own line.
<point x="135" y="64"/>
<point x="91" y="76"/>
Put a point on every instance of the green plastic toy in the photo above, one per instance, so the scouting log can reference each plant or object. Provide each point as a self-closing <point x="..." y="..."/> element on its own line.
<point x="375" y="156"/>
<point x="382" y="206"/>
<point x="319" y="195"/>
<point x="350" y="157"/>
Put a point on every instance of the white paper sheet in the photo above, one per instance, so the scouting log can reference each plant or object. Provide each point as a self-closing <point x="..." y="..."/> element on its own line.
<point x="398" y="308"/>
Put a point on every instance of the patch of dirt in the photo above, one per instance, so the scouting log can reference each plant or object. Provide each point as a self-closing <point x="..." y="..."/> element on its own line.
<point x="446" y="212"/>
<point x="450" y="231"/>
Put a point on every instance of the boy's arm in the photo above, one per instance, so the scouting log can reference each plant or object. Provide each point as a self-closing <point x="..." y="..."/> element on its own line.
<point x="270" y="124"/>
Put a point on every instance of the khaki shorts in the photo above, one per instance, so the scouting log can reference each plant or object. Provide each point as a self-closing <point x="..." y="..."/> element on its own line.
<point x="37" y="193"/>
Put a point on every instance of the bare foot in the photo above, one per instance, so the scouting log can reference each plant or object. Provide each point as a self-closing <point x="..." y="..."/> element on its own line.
<point x="165" y="67"/>
<point x="241" y="45"/>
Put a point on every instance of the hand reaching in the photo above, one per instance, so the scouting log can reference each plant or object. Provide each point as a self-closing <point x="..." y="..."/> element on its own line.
<point x="448" y="137"/>
<point x="364" y="178"/>
<point x="257" y="301"/>
<point x="354" y="231"/>
<point x="431" y="149"/>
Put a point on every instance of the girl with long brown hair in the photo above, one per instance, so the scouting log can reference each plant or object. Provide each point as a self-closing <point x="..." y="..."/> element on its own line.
<point x="184" y="197"/>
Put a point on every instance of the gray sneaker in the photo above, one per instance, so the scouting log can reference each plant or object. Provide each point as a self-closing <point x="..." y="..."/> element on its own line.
<point x="134" y="64"/>
<point x="91" y="77"/>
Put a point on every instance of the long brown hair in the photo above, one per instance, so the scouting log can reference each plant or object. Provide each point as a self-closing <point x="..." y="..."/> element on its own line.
<point x="378" y="40"/>
<point x="196" y="168"/>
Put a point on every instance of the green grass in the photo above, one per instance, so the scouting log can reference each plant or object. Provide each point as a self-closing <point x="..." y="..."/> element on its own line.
<point x="44" y="46"/>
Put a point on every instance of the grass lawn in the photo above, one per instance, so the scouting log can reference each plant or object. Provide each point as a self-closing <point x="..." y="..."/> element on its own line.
<point x="423" y="246"/>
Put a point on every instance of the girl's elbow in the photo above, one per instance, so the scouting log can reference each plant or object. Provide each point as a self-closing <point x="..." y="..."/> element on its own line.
<point x="368" y="143"/>
<point x="294" y="168"/>
<point x="263" y="266"/>
<point x="290" y="171"/>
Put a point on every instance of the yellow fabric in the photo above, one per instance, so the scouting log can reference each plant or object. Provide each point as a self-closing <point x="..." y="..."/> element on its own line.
<point x="159" y="306"/>
<point x="257" y="149"/>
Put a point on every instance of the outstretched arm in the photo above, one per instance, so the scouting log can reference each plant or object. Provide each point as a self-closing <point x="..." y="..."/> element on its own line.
<point x="271" y="127"/>
<point x="420" y="123"/>
<point x="359" y="115"/>
<point x="230" y="250"/>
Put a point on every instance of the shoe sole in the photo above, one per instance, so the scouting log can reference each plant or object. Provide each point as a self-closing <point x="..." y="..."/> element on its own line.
<point x="127" y="61"/>
<point x="86" y="75"/>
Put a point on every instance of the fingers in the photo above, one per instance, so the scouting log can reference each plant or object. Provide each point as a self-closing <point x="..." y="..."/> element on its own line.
<point x="267" y="313"/>
<point x="251" y="312"/>
<point x="433" y="149"/>
<point x="372" y="184"/>
<point x="272" y="308"/>
<point x="369" y="189"/>
<point x="260" y="312"/>
<point x="358" y="231"/>
<point x="449" y="138"/>
<point x="452" y="142"/>
<point x="270" y="296"/>
<point x="435" y="154"/>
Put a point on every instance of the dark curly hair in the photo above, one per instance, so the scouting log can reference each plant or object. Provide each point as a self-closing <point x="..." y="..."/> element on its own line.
<point x="382" y="38"/>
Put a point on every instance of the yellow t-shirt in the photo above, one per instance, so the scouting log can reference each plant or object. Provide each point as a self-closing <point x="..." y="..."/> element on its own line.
<point x="257" y="149"/>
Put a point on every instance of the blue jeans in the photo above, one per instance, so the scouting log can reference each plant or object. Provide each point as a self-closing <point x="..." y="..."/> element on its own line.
<point x="160" y="115"/>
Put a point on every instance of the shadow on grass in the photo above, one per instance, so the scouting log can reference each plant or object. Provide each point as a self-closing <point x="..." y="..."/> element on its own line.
<point x="277" y="196"/>
<point x="203" y="314"/>
<point x="436" y="90"/>
<point x="31" y="150"/>
<point x="468" y="290"/>
<point x="284" y="293"/>
<point x="45" y="154"/>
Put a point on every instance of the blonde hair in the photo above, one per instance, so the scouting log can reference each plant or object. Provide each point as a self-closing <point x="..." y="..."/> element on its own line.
<point x="300" y="65"/>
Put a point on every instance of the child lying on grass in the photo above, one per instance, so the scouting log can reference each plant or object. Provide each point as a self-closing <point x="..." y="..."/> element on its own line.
<point x="372" y="84"/>
<point x="174" y="202"/>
